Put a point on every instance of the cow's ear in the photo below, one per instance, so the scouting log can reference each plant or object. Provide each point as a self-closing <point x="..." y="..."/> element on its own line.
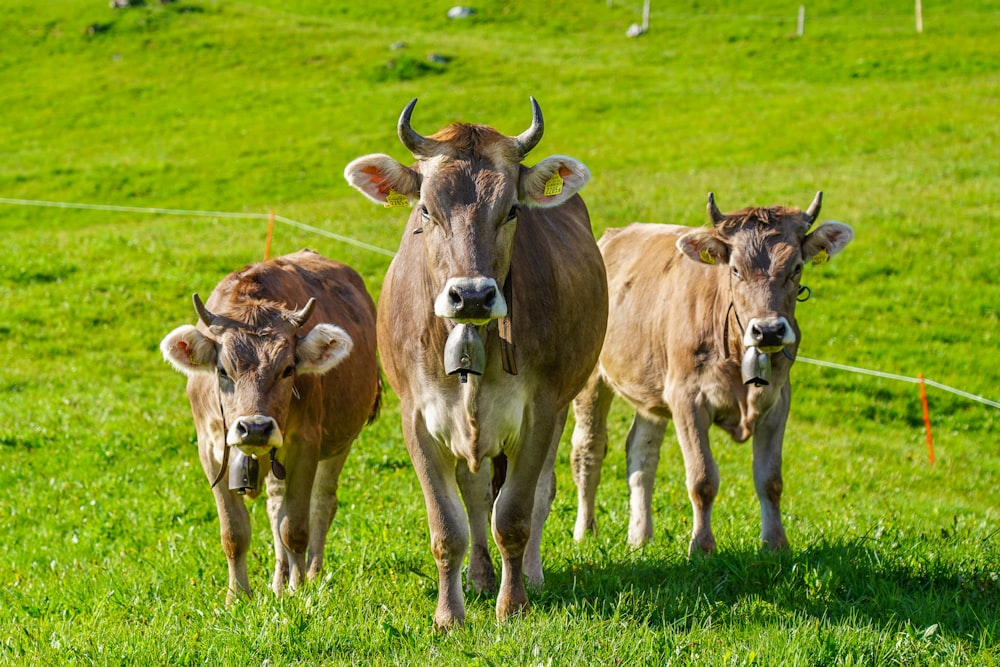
<point x="703" y="246"/>
<point x="189" y="351"/>
<point x="552" y="181"/>
<point x="383" y="180"/>
<point x="325" y="346"/>
<point x="826" y="241"/>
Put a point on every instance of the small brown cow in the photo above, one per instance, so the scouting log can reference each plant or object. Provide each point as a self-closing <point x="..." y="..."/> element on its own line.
<point x="491" y="318"/>
<point x="281" y="366"/>
<point x="701" y="330"/>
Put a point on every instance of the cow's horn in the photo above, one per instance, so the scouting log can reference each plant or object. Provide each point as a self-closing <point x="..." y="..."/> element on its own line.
<point x="297" y="319"/>
<point x="814" y="207"/>
<point x="530" y="137"/>
<point x="420" y="146"/>
<point x="204" y="314"/>
<point x="713" y="211"/>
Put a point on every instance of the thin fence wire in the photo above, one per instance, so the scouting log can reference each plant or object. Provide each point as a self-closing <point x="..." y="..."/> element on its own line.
<point x="367" y="246"/>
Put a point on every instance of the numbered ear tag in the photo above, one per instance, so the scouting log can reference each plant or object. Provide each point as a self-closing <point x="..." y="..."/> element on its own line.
<point x="821" y="257"/>
<point x="394" y="200"/>
<point x="554" y="185"/>
<point x="706" y="257"/>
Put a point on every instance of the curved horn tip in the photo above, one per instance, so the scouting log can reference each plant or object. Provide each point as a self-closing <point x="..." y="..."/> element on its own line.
<point x="713" y="211"/>
<point x="414" y="142"/>
<point x="815" y="206"/>
<point x="530" y="137"/>
<point x="300" y="317"/>
<point x="204" y="314"/>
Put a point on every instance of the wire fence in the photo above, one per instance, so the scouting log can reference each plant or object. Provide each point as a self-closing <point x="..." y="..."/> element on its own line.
<point x="367" y="246"/>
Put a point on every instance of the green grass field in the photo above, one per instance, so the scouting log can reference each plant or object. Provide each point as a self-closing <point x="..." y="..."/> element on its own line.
<point x="110" y="552"/>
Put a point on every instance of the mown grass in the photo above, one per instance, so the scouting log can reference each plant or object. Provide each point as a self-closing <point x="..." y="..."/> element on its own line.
<point x="110" y="552"/>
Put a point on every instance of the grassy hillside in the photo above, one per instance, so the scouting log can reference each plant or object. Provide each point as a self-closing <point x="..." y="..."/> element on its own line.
<point x="110" y="552"/>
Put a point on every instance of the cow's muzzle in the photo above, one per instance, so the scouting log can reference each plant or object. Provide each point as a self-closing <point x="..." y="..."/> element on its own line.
<point x="768" y="334"/>
<point x="473" y="301"/>
<point x="254" y="434"/>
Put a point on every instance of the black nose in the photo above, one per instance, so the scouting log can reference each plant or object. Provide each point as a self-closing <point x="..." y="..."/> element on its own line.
<point x="471" y="302"/>
<point x="768" y="335"/>
<point x="254" y="432"/>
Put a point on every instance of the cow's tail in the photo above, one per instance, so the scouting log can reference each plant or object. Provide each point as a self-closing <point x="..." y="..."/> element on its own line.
<point x="377" y="407"/>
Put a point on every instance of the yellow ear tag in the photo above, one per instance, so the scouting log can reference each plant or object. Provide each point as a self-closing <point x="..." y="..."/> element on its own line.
<point x="821" y="257"/>
<point x="554" y="185"/>
<point x="706" y="257"/>
<point x="394" y="199"/>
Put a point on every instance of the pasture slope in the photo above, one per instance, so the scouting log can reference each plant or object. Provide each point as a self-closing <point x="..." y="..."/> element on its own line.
<point x="110" y="553"/>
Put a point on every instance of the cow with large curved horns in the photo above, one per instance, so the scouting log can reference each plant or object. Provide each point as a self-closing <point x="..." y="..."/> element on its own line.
<point x="491" y="318"/>
<point x="282" y="371"/>
<point x="702" y="330"/>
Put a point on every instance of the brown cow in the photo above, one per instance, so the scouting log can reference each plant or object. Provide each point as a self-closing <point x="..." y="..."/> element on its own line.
<point x="281" y="365"/>
<point x="486" y="334"/>
<point x="702" y="330"/>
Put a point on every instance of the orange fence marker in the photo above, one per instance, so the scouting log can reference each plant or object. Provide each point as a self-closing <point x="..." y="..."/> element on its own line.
<point x="927" y="418"/>
<point x="270" y="232"/>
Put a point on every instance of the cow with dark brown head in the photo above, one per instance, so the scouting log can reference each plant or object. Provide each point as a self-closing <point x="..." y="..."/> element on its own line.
<point x="281" y="368"/>
<point x="702" y="330"/>
<point x="490" y="320"/>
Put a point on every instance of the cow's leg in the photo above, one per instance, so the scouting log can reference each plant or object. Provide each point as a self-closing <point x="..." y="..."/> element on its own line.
<point x="288" y="509"/>
<point x="513" y="509"/>
<point x="234" y="520"/>
<point x="767" y="441"/>
<point x="234" y="528"/>
<point x="323" y="509"/>
<point x="545" y="493"/>
<point x="590" y="446"/>
<point x="446" y="518"/>
<point x="702" y="475"/>
<point x="477" y="492"/>
<point x="642" y="449"/>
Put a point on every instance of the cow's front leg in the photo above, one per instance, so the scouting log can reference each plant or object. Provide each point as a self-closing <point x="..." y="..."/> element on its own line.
<point x="642" y="449"/>
<point x="234" y="520"/>
<point x="590" y="446"/>
<point x="288" y="510"/>
<point x="234" y="529"/>
<point x="702" y="475"/>
<point x="477" y="492"/>
<point x="767" y="444"/>
<point x="323" y="509"/>
<point x="545" y="493"/>
<point x="512" y="512"/>
<point x="446" y="518"/>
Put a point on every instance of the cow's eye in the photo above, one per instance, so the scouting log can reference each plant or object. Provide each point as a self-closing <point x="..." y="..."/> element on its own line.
<point x="797" y="271"/>
<point x="512" y="214"/>
<point x="736" y="273"/>
<point x="224" y="379"/>
<point x="425" y="215"/>
<point x="288" y="372"/>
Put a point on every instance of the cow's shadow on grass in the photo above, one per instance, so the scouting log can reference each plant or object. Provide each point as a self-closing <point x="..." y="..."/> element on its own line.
<point x="850" y="581"/>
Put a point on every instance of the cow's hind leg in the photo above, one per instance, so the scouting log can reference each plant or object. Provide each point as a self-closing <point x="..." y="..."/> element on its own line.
<point x="322" y="510"/>
<point x="477" y="492"/>
<point x="643" y="454"/>
<point x="590" y="446"/>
